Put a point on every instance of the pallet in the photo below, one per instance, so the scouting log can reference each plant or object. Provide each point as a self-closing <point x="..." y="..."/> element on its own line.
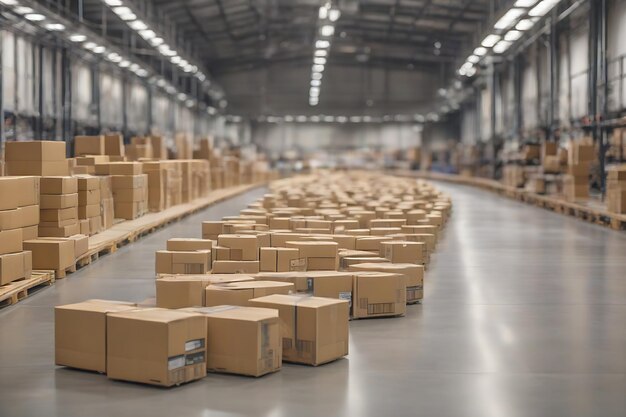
<point x="589" y="211"/>
<point x="20" y="290"/>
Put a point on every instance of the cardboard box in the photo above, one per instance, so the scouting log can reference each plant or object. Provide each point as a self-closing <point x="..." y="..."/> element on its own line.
<point x="60" y="231"/>
<point x="128" y="181"/>
<point x="30" y="232"/>
<point x="89" y="197"/>
<point x="60" y="223"/>
<point x="38" y="150"/>
<point x="315" y="249"/>
<point x="156" y="346"/>
<point x="370" y="243"/>
<point x="125" y="168"/>
<point x="18" y="192"/>
<point x="60" y="201"/>
<point x="89" y="145"/>
<point x="281" y="260"/>
<point x="187" y="262"/>
<point x="114" y="145"/>
<point x="212" y="229"/>
<point x="242" y="247"/>
<point x="51" y="254"/>
<point x="129" y="195"/>
<point x="235" y="267"/>
<point x="314" y="330"/>
<point x="329" y="284"/>
<point x="80" y="241"/>
<point x="58" y="215"/>
<point x="90" y="161"/>
<point x="413" y="274"/>
<point x="189" y="244"/>
<point x="378" y="294"/>
<point x="239" y="293"/>
<point x="14" y="266"/>
<point x="178" y="291"/>
<point x="87" y="212"/>
<point x="58" y="185"/>
<point x="128" y="211"/>
<point x="80" y="333"/>
<point x="398" y="251"/>
<point x="40" y="168"/>
<point x="84" y="226"/>
<point x="19" y="218"/>
<point x="242" y="340"/>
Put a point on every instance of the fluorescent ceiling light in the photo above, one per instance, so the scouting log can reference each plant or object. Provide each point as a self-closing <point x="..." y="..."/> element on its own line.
<point x="322" y="44"/>
<point x="319" y="60"/>
<point x="90" y="46"/>
<point x="355" y="119"/>
<point x="134" y="67"/>
<point x="122" y="11"/>
<point x="8" y="2"/>
<point x="542" y="8"/>
<point x="35" y="17"/>
<point x="99" y="50"/>
<point x="141" y="72"/>
<point x="480" y="51"/>
<point x="329" y="119"/>
<point x="183" y="63"/>
<point x="317" y="68"/>
<point x="321" y="52"/>
<point x="490" y="40"/>
<point x="333" y="15"/>
<point x="525" y="3"/>
<point x="156" y="41"/>
<point x="327" y="30"/>
<point x="128" y="17"/>
<point x="23" y="10"/>
<point x="175" y="59"/>
<point x="471" y="72"/>
<point x="138" y="25"/>
<point x="501" y="46"/>
<point x="188" y="68"/>
<point x="342" y="119"/>
<point x="124" y="63"/>
<point x="113" y="3"/>
<point x="313" y="102"/>
<point x="289" y="118"/>
<point x="512" y="35"/>
<point x="147" y="34"/>
<point x="301" y="119"/>
<point x="55" y="27"/>
<point x="314" y="92"/>
<point x="509" y="18"/>
<point x="323" y="13"/>
<point x="525" y="24"/>
<point x="315" y="83"/>
<point x="316" y="75"/>
<point x="473" y="59"/>
<point x="114" y="57"/>
<point x="77" y="37"/>
<point x="161" y="82"/>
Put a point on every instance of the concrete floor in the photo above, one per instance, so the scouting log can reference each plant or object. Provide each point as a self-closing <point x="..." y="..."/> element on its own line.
<point x="524" y="315"/>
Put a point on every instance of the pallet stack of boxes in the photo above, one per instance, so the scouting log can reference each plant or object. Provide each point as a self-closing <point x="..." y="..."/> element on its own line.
<point x="59" y="207"/>
<point x="576" y="182"/>
<point x="139" y="148"/>
<point x="19" y="210"/>
<point x="42" y="158"/>
<point x="90" y="204"/>
<point x="616" y="189"/>
<point x="130" y="189"/>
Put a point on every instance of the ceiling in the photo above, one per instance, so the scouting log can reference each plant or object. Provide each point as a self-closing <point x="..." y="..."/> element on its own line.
<point x="260" y="51"/>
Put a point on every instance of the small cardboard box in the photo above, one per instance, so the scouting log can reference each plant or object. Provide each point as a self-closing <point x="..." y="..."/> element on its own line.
<point x="14" y="266"/>
<point x="156" y="346"/>
<point x="18" y="192"/>
<point x="125" y="168"/>
<point x="330" y="284"/>
<point x="242" y="340"/>
<point x="281" y="260"/>
<point x="189" y="244"/>
<point x="178" y="291"/>
<point x="370" y="243"/>
<point x="30" y="232"/>
<point x="80" y="333"/>
<point x="398" y="251"/>
<point x="119" y="182"/>
<point x="37" y="150"/>
<point x="51" y="254"/>
<point x="84" y="227"/>
<point x="58" y="215"/>
<point x="378" y="294"/>
<point x="236" y="267"/>
<point x="242" y="247"/>
<point x="314" y="330"/>
<point x="40" y="168"/>
<point x="89" y="211"/>
<point x="11" y="241"/>
<point x="19" y="217"/>
<point x="212" y="229"/>
<point x="58" y="185"/>
<point x="128" y="211"/>
<point x="88" y="197"/>
<point x="89" y="145"/>
<point x="280" y="239"/>
<point x="114" y="145"/>
<point x="59" y="201"/>
<point x="413" y="274"/>
<point x="315" y="249"/>
<point x="128" y="195"/>
<point x="183" y="262"/>
<point x="299" y="279"/>
<point x="239" y="293"/>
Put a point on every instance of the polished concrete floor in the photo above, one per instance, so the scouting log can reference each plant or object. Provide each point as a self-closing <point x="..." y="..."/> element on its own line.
<point x="525" y="315"/>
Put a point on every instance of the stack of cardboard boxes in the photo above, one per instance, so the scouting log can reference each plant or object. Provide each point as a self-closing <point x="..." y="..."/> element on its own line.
<point x="576" y="182"/>
<point x="90" y="204"/>
<point x="139" y="148"/>
<point x="59" y="207"/>
<point x="19" y="209"/>
<point x="107" y="203"/>
<point x="616" y="189"/>
<point x="130" y="189"/>
<point x="42" y="158"/>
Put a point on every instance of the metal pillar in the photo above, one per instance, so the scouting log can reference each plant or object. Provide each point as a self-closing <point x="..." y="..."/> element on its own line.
<point x="494" y="156"/>
<point x="40" y="94"/>
<point x="554" y="77"/>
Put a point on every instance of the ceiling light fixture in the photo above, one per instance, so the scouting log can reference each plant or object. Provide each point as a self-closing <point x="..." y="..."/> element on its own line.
<point x="137" y="25"/>
<point x="525" y="24"/>
<point x="512" y="35"/>
<point x="35" y="17"/>
<point x="319" y="61"/>
<point x="501" y="46"/>
<point x="55" y="27"/>
<point x="525" y="3"/>
<point x="23" y="10"/>
<point x="322" y="44"/>
<point x="542" y="8"/>
<point x="77" y="37"/>
<point x="509" y="18"/>
<point x="490" y="40"/>
<point x="321" y="52"/>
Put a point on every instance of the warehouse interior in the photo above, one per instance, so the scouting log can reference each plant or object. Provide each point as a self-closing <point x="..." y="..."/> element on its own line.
<point x="351" y="207"/>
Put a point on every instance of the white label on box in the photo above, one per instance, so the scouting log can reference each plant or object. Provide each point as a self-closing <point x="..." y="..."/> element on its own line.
<point x="346" y="295"/>
<point x="194" y="344"/>
<point x="175" y="362"/>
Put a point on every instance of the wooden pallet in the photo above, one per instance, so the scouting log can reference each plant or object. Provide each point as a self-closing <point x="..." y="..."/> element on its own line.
<point x="589" y="211"/>
<point x="19" y="290"/>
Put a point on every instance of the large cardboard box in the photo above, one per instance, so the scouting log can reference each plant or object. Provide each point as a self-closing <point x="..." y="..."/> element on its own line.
<point x="370" y="243"/>
<point x="58" y="215"/>
<point x="156" y="346"/>
<point x="58" y="185"/>
<point x="37" y="150"/>
<point x="80" y="333"/>
<point x="189" y="244"/>
<point x="212" y="229"/>
<point x="30" y="232"/>
<point x="129" y="211"/>
<point x="413" y="274"/>
<point x="51" y="254"/>
<point x="240" y="293"/>
<point x="178" y="291"/>
<point x="89" y="197"/>
<point x="41" y="168"/>
<point x="59" y="201"/>
<point x="89" y="145"/>
<point x="18" y="192"/>
<point x="242" y="247"/>
<point x="114" y="145"/>
<point x="14" y="266"/>
<point x="398" y="251"/>
<point x="59" y="231"/>
<point x="314" y="330"/>
<point x="11" y="241"/>
<point x="242" y="340"/>
<point x="125" y="168"/>
<point x="319" y="255"/>
<point x="235" y="267"/>
<point x="81" y="243"/>
<point x="378" y="294"/>
<point x="280" y="260"/>
<point x="183" y="262"/>
<point x="19" y="217"/>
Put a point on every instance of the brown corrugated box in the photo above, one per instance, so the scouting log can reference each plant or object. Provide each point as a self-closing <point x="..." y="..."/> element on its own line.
<point x="280" y="260"/>
<point x="114" y="145"/>
<point x="378" y="294"/>
<point x="58" y="185"/>
<point x="18" y="192"/>
<point x="59" y="201"/>
<point x="19" y="217"/>
<point x="38" y="150"/>
<point x="398" y="251"/>
<point x="89" y="145"/>
<point x="156" y="346"/>
<point x="413" y="274"/>
<point x="242" y="247"/>
<point x="178" y="291"/>
<point x="314" y="330"/>
<point x="183" y="262"/>
<point x="51" y="254"/>
<point x="242" y="340"/>
<point x="80" y="333"/>
<point x="235" y="267"/>
<point x="14" y="266"/>
<point x="239" y="293"/>
<point x="189" y="244"/>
